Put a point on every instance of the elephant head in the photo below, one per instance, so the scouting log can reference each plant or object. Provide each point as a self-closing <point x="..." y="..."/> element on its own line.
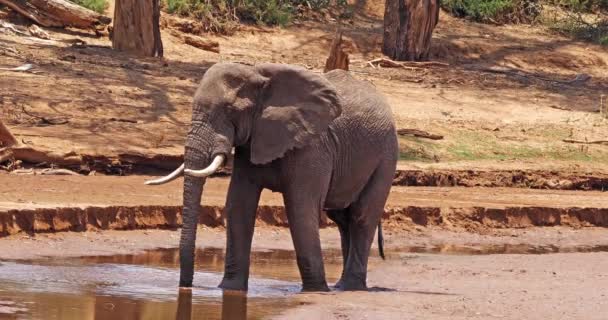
<point x="268" y="108"/>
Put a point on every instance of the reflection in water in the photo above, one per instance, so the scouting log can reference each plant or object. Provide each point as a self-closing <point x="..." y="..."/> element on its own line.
<point x="234" y="305"/>
<point x="184" y="305"/>
<point x="271" y="264"/>
<point x="139" y="287"/>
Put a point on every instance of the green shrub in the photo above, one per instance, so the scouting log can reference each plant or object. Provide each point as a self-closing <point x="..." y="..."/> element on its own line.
<point x="95" y="5"/>
<point x="494" y="11"/>
<point x="221" y="15"/>
<point x="269" y="12"/>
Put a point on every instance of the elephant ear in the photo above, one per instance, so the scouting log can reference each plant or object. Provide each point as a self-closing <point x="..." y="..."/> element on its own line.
<point x="297" y="106"/>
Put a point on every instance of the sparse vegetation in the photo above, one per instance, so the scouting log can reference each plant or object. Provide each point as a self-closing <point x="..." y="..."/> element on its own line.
<point x="581" y="5"/>
<point x="475" y="146"/>
<point x="268" y="12"/>
<point x="494" y="11"/>
<point x="579" y="22"/>
<point x="95" y="5"/>
<point x="581" y="19"/>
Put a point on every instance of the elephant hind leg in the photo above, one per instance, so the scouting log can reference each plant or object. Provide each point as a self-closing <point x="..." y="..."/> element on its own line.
<point x="341" y="218"/>
<point x="364" y="216"/>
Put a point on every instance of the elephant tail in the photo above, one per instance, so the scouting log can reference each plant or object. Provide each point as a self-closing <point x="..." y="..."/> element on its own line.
<point x="381" y="241"/>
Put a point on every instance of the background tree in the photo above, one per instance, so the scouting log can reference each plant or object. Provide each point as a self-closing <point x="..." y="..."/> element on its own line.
<point x="137" y="27"/>
<point x="408" y="27"/>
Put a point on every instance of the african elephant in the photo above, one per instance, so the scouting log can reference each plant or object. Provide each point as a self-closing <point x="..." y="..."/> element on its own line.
<point x="326" y="142"/>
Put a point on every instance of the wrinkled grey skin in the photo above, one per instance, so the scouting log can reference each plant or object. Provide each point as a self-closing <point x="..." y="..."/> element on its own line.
<point x="325" y="142"/>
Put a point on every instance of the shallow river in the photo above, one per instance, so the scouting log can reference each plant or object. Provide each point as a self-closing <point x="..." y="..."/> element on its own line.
<point x="143" y="286"/>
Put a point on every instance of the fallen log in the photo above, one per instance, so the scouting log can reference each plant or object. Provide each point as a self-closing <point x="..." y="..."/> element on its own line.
<point x="58" y="13"/>
<point x="419" y="134"/>
<point x="203" y="44"/>
<point x="12" y="149"/>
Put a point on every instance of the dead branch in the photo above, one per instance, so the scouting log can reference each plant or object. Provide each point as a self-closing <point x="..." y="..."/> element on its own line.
<point x="338" y="59"/>
<point x="198" y="42"/>
<point x="58" y="172"/>
<point x="44" y="121"/>
<point x="601" y="142"/>
<point x="46" y="172"/>
<point x="419" y="134"/>
<point x="58" y="13"/>
<point x="387" y="63"/>
<point x="559" y="107"/>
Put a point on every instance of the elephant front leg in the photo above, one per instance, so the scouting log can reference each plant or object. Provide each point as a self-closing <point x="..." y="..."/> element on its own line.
<point x="241" y="206"/>
<point x="303" y="216"/>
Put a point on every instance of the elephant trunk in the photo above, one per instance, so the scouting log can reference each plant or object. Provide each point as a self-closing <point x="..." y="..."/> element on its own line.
<point x="193" y="189"/>
<point x="205" y="152"/>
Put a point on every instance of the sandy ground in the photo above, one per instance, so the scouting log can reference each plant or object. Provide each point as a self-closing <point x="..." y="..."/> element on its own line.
<point x="429" y="286"/>
<point x="22" y="192"/>
<point x="115" y="103"/>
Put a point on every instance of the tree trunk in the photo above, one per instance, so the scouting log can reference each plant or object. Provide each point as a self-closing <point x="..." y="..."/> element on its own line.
<point x="58" y="13"/>
<point x="408" y="27"/>
<point x="338" y="59"/>
<point x="136" y="27"/>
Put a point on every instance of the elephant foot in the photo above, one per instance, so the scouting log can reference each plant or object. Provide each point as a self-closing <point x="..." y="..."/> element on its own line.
<point x="233" y="285"/>
<point x="351" y="285"/>
<point x="321" y="287"/>
<point x="338" y="284"/>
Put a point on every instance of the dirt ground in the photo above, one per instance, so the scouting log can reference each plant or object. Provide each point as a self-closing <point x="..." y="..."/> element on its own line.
<point x="456" y="283"/>
<point x="118" y="104"/>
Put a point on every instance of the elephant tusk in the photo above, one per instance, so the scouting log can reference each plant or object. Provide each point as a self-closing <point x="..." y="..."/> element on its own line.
<point x="178" y="172"/>
<point x="217" y="162"/>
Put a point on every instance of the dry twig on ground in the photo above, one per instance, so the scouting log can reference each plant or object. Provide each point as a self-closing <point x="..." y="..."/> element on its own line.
<point x="419" y="134"/>
<point x="387" y="63"/>
<point x="601" y="142"/>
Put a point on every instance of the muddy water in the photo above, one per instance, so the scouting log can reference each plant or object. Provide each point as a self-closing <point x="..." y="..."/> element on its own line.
<point x="143" y="286"/>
